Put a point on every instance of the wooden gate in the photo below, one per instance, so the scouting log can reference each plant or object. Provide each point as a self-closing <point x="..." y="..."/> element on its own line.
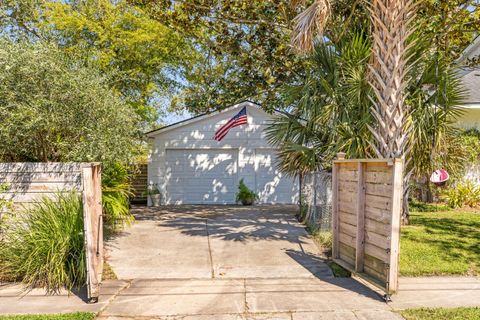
<point x="366" y="208"/>
<point x="31" y="182"/>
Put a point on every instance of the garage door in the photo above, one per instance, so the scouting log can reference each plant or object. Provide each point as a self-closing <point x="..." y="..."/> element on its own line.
<point x="273" y="186"/>
<point x="201" y="176"/>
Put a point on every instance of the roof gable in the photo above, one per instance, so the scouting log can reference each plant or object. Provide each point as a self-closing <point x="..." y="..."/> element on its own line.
<point x="470" y="78"/>
<point x="470" y="52"/>
<point x="204" y="116"/>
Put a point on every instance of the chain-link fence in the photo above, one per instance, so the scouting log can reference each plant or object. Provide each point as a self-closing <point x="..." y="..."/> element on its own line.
<point x="317" y="200"/>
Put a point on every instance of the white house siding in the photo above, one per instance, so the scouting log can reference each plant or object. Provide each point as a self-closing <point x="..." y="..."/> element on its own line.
<point x="215" y="168"/>
<point x="470" y="118"/>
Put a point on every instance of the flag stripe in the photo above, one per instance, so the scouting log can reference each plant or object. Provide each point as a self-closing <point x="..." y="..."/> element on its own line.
<point x="230" y="124"/>
<point x="220" y="137"/>
<point x="237" y="120"/>
<point x="226" y="127"/>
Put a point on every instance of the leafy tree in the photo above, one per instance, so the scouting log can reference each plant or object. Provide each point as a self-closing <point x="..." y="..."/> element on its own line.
<point x="116" y="37"/>
<point x="243" y="47"/>
<point x="450" y="24"/>
<point x="120" y="37"/>
<point x="54" y="109"/>
<point x="18" y="18"/>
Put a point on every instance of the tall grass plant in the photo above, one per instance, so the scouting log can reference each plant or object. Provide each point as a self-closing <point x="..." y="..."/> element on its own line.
<point x="44" y="244"/>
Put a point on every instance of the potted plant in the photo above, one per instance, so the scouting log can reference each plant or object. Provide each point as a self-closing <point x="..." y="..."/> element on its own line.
<point x="244" y="195"/>
<point x="153" y="192"/>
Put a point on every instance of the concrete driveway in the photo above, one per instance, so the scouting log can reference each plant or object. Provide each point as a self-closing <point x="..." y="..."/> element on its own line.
<point x="230" y="262"/>
<point x="221" y="242"/>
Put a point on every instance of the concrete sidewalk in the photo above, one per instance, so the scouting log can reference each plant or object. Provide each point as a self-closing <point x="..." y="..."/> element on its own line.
<point x="302" y="298"/>
<point x="14" y="301"/>
<point x="437" y="292"/>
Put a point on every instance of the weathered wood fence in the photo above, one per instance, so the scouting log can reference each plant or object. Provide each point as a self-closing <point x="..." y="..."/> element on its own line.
<point x="139" y="183"/>
<point x="366" y="207"/>
<point x="30" y="182"/>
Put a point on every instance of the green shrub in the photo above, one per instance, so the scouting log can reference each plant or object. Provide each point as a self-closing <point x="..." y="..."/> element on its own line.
<point x="471" y="145"/>
<point x="116" y="192"/>
<point x="44" y="245"/>
<point x="116" y="207"/>
<point x="464" y="193"/>
<point x="152" y="189"/>
<point x="324" y="238"/>
<point x="53" y="108"/>
<point x="244" y="194"/>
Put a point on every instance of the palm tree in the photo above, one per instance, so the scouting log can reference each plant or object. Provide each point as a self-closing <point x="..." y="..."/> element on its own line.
<point x="332" y="105"/>
<point x="390" y="22"/>
<point x="331" y="111"/>
<point x="390" y="30"/>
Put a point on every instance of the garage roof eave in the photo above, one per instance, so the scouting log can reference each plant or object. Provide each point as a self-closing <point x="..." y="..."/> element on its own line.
<point x="154" y="132"/>
<point x="194" y="119"/>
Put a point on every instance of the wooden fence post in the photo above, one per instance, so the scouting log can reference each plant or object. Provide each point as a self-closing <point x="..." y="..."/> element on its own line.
<point x="397" y="202"/>
<point x="360" y="245"/>
<point x="335" y="221"/>
<point x="93" y="228"/>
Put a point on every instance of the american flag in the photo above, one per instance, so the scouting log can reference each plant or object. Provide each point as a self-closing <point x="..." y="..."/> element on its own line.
<point x="237" y="120"/>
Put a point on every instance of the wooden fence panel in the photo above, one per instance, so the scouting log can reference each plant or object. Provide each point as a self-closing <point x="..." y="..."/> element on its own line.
<point x="30" y="182"/>
<point x="366" y="208"/>
<point x="139" y="183"/>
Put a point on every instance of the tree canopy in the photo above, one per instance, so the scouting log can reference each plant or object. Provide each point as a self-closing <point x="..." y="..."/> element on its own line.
<point x="243" y="47"/>
<point x="203" y="54"/>
<point x="54" y="109"/>
<point x="145" y="57"/>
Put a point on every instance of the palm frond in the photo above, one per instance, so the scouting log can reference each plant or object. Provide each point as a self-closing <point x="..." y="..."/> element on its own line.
<point x="309" y="24"/>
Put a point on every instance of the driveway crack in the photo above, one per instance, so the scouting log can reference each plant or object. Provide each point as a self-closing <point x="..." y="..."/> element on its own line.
<point x="247" y="309"/>
<point x="212" y="271"/>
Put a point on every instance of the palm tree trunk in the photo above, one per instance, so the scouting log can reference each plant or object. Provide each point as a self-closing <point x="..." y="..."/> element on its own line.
<point x="390" y="21"/>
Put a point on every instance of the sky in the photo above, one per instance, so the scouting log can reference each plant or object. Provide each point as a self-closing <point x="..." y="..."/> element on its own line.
<point x="173" y="117"/>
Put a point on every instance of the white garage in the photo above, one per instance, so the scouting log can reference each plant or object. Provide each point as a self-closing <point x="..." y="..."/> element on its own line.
<point x="190" y="167"/>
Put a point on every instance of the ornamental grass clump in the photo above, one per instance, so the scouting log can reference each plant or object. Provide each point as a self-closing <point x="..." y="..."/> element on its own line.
<point x="44" y="244"/>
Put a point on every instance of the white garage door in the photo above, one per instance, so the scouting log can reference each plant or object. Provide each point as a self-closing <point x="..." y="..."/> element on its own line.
<point x="273" y="186"/>
<point x="201" y="176"/>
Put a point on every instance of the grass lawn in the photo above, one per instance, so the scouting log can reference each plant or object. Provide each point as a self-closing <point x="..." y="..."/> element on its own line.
<point x="441" y="314"/>
<point x="441" y="243"/>
<point x="63" y="316"/>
